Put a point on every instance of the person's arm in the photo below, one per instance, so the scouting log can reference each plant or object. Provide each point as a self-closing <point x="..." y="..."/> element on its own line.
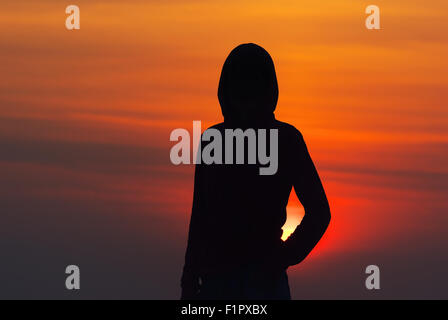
<point x="190" y="276"/>
<point x="311" y="194"/>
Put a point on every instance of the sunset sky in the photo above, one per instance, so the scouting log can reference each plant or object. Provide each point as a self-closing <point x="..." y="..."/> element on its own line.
<point x="85" y="119"/>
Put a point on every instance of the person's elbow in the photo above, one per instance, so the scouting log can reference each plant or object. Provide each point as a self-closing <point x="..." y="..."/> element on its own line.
<point x="325" y="216"/>
<point x="321" y="216"/>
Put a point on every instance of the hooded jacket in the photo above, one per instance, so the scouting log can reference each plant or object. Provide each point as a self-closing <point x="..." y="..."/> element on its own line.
<point x="237" y="214"/>
<point x="248" y="89"/>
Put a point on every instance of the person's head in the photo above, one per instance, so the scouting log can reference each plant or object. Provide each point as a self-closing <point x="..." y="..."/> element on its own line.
<point x="248" y="87"/>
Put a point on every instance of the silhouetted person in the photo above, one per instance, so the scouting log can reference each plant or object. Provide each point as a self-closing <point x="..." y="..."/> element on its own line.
<point x="234" y="247"/>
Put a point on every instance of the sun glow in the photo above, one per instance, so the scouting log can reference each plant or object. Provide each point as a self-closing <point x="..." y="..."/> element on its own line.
<point x="295" y="216"/>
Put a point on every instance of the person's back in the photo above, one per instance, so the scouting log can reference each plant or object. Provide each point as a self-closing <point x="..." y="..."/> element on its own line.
<point x="235" y="244"/>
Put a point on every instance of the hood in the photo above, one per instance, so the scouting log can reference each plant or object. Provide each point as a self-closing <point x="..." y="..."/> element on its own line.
<point x="248" y="90"/>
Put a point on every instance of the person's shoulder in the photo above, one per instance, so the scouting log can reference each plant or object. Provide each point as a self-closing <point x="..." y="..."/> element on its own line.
<point x="289" y="129"/>
<point x="218" y="126"/>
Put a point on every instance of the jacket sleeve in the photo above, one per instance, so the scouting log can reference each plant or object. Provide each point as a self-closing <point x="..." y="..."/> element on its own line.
<point x="190" y="276"/>
<point x="311" y="194"/>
